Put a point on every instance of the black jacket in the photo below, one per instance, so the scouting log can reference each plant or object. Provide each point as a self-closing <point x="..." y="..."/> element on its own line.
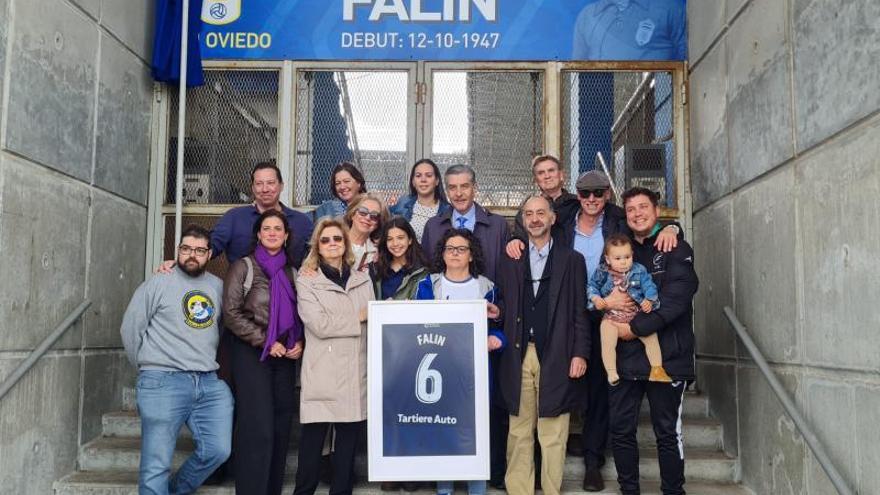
<point x="568" y="332"/>
<point x="613" y="222"/>
<point x="676" y="279"/>
<point x="565" y="206"/>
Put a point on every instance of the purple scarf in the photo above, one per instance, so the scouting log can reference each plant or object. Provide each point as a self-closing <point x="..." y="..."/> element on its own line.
<point x="283" y="318"/>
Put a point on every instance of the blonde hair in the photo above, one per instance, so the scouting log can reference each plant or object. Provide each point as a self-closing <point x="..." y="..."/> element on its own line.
<point x="313" y="259"/>
<point x="358" y="201"/>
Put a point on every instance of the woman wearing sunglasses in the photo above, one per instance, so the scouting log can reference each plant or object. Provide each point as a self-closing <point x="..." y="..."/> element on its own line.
<point x="346" y="182"/>
<point x="260" y="309"/>
<point x="459" y="263"/>
<point x="333" y="307"/>
<point x="426" y="198"/>
<point x="364" y="217"/>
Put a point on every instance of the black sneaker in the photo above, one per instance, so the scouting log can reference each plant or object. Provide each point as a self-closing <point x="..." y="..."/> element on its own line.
<point x="593" y="481"/>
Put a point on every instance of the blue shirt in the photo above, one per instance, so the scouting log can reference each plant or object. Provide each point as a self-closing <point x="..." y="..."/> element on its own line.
<point x="391" y="283"/>
<point x="234" y="233"/>
<point x="470" y="217"/>
<point x="631" y="30"/>
<point x="590" y="246"/>
<point x="537" y="262"/>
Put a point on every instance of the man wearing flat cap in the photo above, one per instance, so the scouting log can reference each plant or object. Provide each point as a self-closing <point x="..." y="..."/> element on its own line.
<point x="585" y="230"/>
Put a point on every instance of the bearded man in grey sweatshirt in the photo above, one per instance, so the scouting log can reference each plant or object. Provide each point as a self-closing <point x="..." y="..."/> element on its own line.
<point x="170" y="332"/>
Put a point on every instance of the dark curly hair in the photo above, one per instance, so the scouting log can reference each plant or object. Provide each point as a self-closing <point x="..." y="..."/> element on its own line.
<point x="415" y="258"/>
<point x="476" y="267"/>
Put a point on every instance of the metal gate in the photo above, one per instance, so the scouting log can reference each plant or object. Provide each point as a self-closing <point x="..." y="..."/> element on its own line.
<point x="384" y="116"/>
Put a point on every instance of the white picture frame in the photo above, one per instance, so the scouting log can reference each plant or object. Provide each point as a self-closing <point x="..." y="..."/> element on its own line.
<point x="402" y="453"/>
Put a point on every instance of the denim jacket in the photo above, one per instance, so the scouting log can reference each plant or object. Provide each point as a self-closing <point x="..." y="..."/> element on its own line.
<point x="330" y="208"/>
<point x="404" y="207"/>
<point x="640" y="285"/>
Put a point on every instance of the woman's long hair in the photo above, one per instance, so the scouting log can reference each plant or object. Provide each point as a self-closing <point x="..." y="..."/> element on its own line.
<point x="439" y="194"/>
<point x="273" y="213"/>
<point x="414" y="256"/>
<point x="313" y="259"/>
<point x="476" y="267"/>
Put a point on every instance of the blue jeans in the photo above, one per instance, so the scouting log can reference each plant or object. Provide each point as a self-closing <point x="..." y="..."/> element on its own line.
<point x="475" y="487"/>
<point x="168" y="399"/>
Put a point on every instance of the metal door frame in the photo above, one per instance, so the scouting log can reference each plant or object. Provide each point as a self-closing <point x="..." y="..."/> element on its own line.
<point x="411" y="68"/>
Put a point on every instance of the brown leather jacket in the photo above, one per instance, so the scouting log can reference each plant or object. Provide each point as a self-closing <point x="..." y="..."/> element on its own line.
<point x="248" y="316"/>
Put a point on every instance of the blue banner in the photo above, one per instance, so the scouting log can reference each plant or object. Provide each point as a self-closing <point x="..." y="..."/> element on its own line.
<point x="428" y="390"/>
<point x="486" y="30"/>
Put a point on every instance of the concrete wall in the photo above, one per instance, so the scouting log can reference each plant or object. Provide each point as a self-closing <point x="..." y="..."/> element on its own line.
<point x="785" y="140"/>
<point x="74" y="167"/>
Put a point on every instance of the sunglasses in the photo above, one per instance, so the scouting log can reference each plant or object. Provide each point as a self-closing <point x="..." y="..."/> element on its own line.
<point x="586" y="193"/>
<point x="364" y="212"/>
<point x="326" y="240"/>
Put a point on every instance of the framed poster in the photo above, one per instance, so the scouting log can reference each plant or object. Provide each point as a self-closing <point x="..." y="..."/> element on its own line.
<point x="428" y="391"/>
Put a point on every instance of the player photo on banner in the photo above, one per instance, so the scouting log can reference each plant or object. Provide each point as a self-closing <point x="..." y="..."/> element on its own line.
<point x="428" y="382"/>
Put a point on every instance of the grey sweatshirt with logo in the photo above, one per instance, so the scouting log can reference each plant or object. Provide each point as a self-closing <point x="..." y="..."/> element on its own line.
<point x="173" y="322"/>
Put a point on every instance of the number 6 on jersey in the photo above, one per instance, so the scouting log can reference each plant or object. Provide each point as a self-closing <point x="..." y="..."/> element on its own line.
<point x="424" y="375"/>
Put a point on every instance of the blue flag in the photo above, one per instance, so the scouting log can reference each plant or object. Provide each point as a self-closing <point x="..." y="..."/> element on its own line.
<point x="166" y="43"/>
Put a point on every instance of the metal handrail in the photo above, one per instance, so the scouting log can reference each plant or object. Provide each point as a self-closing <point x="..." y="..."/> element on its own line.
<point x="41" y="349"/>
<point x="789" y="405"/>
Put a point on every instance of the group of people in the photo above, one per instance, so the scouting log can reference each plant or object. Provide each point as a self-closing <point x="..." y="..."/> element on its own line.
<point x="577" y="280"/>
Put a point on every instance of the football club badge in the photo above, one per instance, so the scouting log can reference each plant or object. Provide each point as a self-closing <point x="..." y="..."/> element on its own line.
<point x="219" y="12"/>
<point x="644" y="32"/>
<point x="198" y="309"/>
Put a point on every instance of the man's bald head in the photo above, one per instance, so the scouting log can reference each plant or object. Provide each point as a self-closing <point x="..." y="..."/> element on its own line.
<point x="538" y="216"/>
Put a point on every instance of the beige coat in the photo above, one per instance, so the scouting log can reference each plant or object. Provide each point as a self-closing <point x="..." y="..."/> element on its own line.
<point x="334" y="367"/>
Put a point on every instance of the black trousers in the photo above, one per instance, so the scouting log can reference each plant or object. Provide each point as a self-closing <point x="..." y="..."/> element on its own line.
<point x="625" y="400"/>
<point x="264" y="407"/>
<point x="499" y="423"/>
<point x="594" y="437"/>
<point x="308" y="471"/>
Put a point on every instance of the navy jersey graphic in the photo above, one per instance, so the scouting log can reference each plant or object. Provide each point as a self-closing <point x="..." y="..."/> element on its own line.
<point x="428" y="389"/>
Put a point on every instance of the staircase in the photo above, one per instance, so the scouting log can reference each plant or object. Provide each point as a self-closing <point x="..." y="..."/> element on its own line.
<point x="108" y="465"/>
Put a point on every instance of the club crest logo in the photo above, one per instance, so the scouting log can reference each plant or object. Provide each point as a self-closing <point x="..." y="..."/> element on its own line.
<point x="644" y="32"/>
<point x="198" y="309"/>
<point x="219" y="12"/>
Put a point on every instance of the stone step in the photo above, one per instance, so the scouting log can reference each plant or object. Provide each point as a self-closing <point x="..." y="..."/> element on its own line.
<point x="694" y="405"/>
<point x="698" y="432"/>
<point x="123" y="454"/>
<point x="125" y="483"/>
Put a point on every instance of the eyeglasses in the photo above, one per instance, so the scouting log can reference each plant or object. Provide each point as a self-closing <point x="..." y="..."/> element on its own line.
<point x="326" y="240"/>
<point x="586" y="193"/>
<point x="364" y="212"/>
<point x="456" y="249"/>
<point x="188" y="250"/>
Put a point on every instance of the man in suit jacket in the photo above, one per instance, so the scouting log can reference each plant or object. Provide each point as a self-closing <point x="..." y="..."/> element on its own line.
<point x="490" y="229"/>
<point x="540" y="374"/>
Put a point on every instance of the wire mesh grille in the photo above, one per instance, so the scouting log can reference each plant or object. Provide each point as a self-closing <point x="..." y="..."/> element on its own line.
<point x="628" y="118"/>
<point x="493" y="122"/>
<point x="360" y="117"/>
<point x="231" y="125"/>
<point x="218" y="265"/>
